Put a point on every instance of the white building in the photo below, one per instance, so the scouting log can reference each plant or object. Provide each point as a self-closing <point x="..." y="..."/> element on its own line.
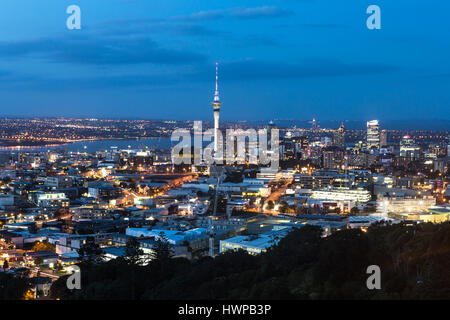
<point x="254" y="244"/>
<point x="58" y="182"/>
<point x="402" y="205"/>
<point x="342" y="194"/>
<point x="174" y="237"/>
<point x="269" y="174"/>
<point x="373" y="134"/>
<point x="52" y="200"/>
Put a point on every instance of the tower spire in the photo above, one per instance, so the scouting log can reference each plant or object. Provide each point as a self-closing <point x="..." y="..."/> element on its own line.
<point x="216" y="107"/>
<point x="216" y="93"/>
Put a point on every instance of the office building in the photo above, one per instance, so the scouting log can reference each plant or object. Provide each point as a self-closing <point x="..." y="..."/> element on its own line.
<point x="373" y="134"/>
<point x="339" y="137"/>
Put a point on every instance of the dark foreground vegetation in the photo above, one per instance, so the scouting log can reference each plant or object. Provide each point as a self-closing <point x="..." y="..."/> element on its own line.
<point x="414" y="262"/>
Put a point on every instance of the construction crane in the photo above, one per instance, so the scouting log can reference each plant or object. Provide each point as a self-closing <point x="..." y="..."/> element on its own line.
<point x="210" y="226"/>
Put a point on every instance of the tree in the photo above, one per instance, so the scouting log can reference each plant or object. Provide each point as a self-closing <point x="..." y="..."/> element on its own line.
<point x="173" y="209"/>
<point x="59" y="267"/>
<point x="91" y="252"/>
<point x="13" y="287"/>
<point x="60" y="212"/>
<point x="370" y="209"/>
<point x="284" y="207"/>
<point x="302" y="265"/>
<point x="354" y="211"/>
<point x="43" y="246"/>
<point x="6" y="180"/>
<point x="299" y="210"/>
<point x="234" y="177"/>
<point x="38" y="261"/>
<point x="161" y="249"/>
<point x="221" y="203"/>
<point x="133" y="252"/>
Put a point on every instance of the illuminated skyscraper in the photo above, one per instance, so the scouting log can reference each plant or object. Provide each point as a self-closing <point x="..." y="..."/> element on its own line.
<point x="339" y="137"/>
<point x="373" y="134"/>
<point x="314" y="124"/>
<point x="448" y="146"/>
<point x="383" y="138"/>
<point x="408" y="148"/>
<point x="216" y="106"/>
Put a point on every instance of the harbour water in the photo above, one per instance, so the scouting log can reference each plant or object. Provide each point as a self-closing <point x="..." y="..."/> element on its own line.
<point x="93" y="146"/>
<point x="97" y="145"/>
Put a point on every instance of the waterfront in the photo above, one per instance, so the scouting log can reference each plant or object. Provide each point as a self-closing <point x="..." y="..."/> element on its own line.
<point x="97" y="145"/>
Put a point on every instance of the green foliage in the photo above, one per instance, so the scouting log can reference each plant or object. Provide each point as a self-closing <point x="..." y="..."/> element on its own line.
<point x="133" y="252"/>
<point x="13" y="287"/>
<point x="38" y="261"/>
<point x="414" y="262"/>
<point x="43" y="246"/>
<point x="234" y="177"/>
<point x="161" y="249"/>
<point x="90" y="251"/>
<point x="284" y="207"/>
<point x="6" y="180"/>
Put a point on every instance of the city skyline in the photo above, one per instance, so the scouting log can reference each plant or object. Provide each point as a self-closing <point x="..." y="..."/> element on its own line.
<point x="358" y="124"/>
<point x="217" y="156"/>
<point x="277" y="61"/>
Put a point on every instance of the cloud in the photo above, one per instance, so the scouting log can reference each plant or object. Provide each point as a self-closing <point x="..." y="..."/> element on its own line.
<point x="126" y="42"/>
<point x="251" y="69"/>
<point x="103" y="81"/>
<point x="324" y="25"/>
<point x="87" y="49"/>
<point x="259" y="12"/>
<point x="238" y="13"/>
<point x="193" y="26"/>
<point x="179" y="24"/>
<point x="139" y="27"/>
<point x="234" y="71"/>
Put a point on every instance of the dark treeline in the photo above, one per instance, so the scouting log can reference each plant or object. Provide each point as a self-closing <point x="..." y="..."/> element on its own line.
<point x="13" y="287"/>
<point x="414" y="262"/>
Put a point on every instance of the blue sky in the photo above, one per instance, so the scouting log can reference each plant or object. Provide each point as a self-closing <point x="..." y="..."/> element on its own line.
<point x="286" y="59"/>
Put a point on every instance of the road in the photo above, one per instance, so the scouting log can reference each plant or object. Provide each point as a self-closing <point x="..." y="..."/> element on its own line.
<point x="175" y="183"/>
<point x="63" y="217"/>
<point x="274" y="196"/>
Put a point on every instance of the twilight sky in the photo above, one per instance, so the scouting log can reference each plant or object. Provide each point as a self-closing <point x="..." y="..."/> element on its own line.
<point x="285" y="59"/>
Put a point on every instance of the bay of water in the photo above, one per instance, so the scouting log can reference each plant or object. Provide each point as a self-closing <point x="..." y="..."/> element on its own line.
<point x="97" y="145"/>
<point x="93" y="146"/>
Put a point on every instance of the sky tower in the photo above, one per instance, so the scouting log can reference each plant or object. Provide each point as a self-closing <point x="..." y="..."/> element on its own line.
<point x="216" y="106"/>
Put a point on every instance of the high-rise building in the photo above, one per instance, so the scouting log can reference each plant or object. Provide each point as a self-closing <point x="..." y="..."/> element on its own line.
<point x="288" y="147"/>
<point x="271" y="126"/>
<point x="448" y="146"/>
<point x="373" y="134"/>
<point x="333" y="158"/>
<point x="339" y="137"/>
<point x="408" y="148"/>
<point x="216" y="106"/>
<point x="383" y="138"/>
<point x="301" y="141"/>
